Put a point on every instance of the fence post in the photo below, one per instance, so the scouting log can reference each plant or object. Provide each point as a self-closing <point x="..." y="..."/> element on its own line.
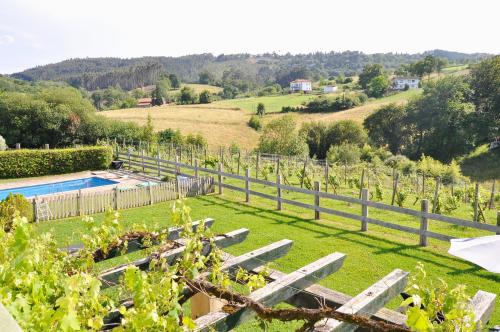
<point x="247" y="185"/>
<point x="316" y="200"/>
<point x="239" y="158"/>
<point x="116" y="198"/>
<point x="364" y="209"/>
<point x="492" y="196"/>
<point x="128" y="156"/>
<point x="158" y="162"/>
<point x="436" y="194"/>
<point x="150" y="190"/>
<point x="424" y="223"/>
<point x="177" y="169"/>
<point x="476" y="202"/>
<point x="196" y="168"/>
<point x="142" y="161"/>
<point x="278" y="166"/>
<point x="35" y="209"/>
<point x="219" y="174"/>
<point x="278" y="187"/>
<point x="80" y="201"/>
<point x="394" y="187"/>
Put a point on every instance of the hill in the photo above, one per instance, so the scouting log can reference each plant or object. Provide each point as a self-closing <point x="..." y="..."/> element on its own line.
<point x="93" y="73"/>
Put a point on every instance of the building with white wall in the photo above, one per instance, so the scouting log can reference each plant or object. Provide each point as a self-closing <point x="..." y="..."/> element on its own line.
<point x="329" y="89"/>
<point x="399" y="83"/>
<point x="301" y="85"/>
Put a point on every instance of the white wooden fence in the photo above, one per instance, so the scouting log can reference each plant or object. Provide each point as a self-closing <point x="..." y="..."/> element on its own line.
<point x="84" y="203"/>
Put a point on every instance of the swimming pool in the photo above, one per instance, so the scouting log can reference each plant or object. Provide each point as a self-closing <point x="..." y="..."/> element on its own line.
<point x="57" y="187"/>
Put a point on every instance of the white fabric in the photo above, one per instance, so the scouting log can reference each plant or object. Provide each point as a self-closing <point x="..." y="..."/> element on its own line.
<point x="483" y="251"/>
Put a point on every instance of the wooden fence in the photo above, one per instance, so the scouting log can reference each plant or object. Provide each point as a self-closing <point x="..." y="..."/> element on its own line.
<point x="160" y="166"/>
<point x="84" y="203"/>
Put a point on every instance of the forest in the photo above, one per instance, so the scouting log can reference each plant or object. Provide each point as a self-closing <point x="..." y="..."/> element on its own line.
<point x="246" y="71"/>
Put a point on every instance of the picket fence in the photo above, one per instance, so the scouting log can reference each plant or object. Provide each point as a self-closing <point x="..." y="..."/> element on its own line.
<point x="85" y="203"/>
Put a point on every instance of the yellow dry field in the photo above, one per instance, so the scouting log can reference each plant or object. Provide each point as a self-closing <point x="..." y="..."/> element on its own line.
<point x="219" y="125"/>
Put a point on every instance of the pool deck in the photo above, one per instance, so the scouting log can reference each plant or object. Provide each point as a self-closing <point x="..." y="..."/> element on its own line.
<point x="124" y="179"/>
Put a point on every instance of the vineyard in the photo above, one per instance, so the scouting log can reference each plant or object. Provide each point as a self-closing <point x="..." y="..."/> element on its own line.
<point x="448" y="192"/>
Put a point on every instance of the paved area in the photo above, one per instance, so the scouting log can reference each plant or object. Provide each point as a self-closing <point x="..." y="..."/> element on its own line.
<point x="124" y="179"/>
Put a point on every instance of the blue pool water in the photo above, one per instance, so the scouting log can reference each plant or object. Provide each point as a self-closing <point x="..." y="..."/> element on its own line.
<point x="57" y="187"/>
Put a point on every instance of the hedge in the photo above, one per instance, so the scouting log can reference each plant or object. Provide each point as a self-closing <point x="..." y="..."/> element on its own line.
<point x="25" y="163"/>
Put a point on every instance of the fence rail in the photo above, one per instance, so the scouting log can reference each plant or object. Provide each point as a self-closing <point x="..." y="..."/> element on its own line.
<point x="84" y="203"/>
<point x="156" y="164"/>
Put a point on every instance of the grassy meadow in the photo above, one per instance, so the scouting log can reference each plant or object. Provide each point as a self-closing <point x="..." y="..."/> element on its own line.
<point x="225" y="122"/>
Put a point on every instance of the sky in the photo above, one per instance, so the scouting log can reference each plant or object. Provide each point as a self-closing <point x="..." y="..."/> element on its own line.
<point x="37" y="32"/>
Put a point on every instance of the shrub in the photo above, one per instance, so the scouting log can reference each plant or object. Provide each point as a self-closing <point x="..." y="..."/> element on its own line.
<point x="24" y="163"/>
<point x="12" y="204"/>
<point x="205" y="97"/>
<point x="344" y="154"/>
<point x="254" y="122"/>
<point x="340" y="103"/>
<point x="3" y="145"/>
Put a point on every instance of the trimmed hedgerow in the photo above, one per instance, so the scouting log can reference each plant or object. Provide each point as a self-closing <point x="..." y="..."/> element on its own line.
<point x="25" y="163"/>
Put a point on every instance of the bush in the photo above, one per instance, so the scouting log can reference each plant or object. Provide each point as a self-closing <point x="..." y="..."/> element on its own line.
<point x="254" y="122"/>
<point x="205" y="97"/>
<point x="12" y="204"/>
<point x="3" y="145"/>
<point x="347" y="154"/>
<point x="340" y="103"/>
<point x="24" y="163"/>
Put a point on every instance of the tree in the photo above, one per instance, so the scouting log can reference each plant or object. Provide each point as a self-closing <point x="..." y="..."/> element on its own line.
<point x="148" y="133"/>
<point x="174" y="80"/>
<point x="369" y="72"/>
<point x="439" y="122"/>
<point x="188" y="96"/>
<point x="485" y="82"/>
<point x="386" y="127"/>
<point x="205" y="97"/>
<point x="206" y="77"/>
<point x="170" y="136"/>
<point x="280" y="137"/>
<point x="261" y="109"/>
<point x="157" y="96"/>
<point x="377" y="86"/>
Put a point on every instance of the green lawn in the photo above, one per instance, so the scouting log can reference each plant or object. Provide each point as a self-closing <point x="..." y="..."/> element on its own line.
<point x="370" y="255"/>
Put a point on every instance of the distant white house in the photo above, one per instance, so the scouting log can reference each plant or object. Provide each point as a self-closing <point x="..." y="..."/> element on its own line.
<point x="301" y="85"/>
<point x="400" y="83"/>
<point x="329" y="89"/>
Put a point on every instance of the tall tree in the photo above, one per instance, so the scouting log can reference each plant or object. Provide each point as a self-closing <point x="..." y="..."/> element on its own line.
<point x="369" y="72"/>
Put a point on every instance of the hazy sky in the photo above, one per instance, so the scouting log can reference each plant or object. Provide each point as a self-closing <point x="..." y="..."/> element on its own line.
<point x="35" y="32"/>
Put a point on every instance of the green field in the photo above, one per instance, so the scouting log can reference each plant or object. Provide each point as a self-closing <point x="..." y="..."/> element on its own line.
<point x="273" y="104"/>
<point x="370" y="255"/>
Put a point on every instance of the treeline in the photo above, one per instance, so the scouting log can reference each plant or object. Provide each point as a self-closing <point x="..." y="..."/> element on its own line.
<point x="243" y="71"/>
<point x="38" y="114"/>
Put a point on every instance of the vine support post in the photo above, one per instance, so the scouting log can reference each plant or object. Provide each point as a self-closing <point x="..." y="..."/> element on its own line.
<point x="220" y="178"/>
<point x="423" y="184"/>
<point x="257" y="166"/>
<point x="316" y="200"/>
<point x="303" y="173"/>
<point x="278" y="166"/>
<point x="436" y="195"/>
<point x="326" y="175"/>
<point x="424" y="222"/>
<point x="476" y="202"/>
<point x="365" y="197"/>
<point x="361" y="182"/>
<point x="247" y="185"/>
<point x="492" y="196"/>
<point x="278" y="192"/>
<point x="196" y="168"/>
